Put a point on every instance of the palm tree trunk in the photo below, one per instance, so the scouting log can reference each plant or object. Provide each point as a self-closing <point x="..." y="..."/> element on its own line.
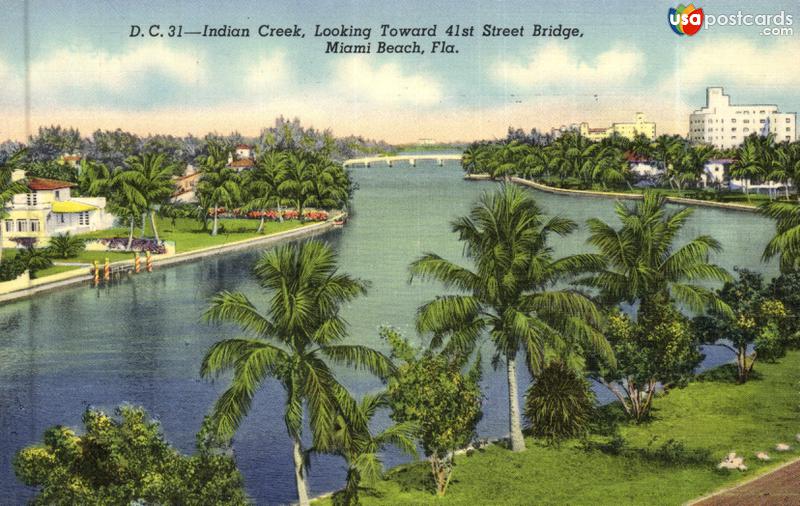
<point x="2" y="226"/>
<point x="214" y="229"/>
<point x="130" y="236"/>
<point x="280" y="214"/>
<point x="299" y="473"/>
<point x="514" y="423"/>
<point x="261" y="225"/>
<point x="144" y="223"/>
<point x="153" y="223"/>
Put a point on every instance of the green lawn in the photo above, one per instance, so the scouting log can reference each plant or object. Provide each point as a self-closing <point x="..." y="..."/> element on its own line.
<point x="188" y="234"/>
<point x="717" y="415"/>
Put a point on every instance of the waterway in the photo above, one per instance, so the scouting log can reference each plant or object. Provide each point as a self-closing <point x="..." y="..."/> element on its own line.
<point x="142" y="341"/>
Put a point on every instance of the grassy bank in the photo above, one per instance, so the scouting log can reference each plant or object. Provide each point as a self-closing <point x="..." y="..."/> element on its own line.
<point x="188" y="234"/>
<point x="714" y="416"/>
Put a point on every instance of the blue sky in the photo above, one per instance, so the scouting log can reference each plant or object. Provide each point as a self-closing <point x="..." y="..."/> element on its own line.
<point x="87" y="72"/>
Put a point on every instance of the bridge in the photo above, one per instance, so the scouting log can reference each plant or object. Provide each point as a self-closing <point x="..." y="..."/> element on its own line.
<point x="410" y="159"/>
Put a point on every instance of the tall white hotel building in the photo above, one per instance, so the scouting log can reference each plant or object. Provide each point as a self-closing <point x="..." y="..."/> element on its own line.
<point x="726" y="126"/>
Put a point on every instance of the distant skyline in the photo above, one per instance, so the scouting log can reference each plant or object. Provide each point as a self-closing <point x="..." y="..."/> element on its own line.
<point x="86" y="72"/>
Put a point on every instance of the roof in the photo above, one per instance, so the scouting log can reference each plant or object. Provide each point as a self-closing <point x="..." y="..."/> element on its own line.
<point x="245" y="162"/>
<point x="71" y="158"/>
<point x="242" y="146"/>
<point x="40" y="183"/>
<point x="631" y="157"/>
<point x="71" y="206"/>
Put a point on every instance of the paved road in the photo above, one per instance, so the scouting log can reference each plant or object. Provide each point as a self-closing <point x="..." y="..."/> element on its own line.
<point x="781" y="487"/>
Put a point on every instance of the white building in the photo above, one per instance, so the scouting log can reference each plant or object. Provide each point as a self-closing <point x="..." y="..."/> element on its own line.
<point x="48" y="208"/>
<point x="725" y="126"/>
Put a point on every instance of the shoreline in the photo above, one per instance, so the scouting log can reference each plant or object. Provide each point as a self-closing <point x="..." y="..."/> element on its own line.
<point x="78" y="276"/>
<point x="615" y="195"/>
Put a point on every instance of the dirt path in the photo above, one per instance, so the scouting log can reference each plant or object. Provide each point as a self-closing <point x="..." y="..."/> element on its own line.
<point x="779" y="487"/>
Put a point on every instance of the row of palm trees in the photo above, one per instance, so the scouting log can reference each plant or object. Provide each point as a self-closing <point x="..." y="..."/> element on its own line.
<point x="515" y="292"/>
<point x="573" y="157"/>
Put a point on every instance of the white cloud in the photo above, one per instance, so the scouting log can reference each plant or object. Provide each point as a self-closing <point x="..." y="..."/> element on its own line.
<point x="740" y="61"/>
<point x="97" y="69"/>
<point x="267" y="72"/>
<point x="385" y="84"/>
<point x="557" y="65"/>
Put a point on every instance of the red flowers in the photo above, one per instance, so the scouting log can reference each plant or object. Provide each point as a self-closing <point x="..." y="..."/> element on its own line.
<point x="289" y="214"/>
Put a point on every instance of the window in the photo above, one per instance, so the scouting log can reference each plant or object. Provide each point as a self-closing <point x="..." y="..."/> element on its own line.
<point x="733" y="129"/>
<point x="58" y="195"/>
<point x="733" y="120"/>
<point x="32" y="199"/>
<point x="761" y="121"/>
<point x="22" y="225"/>
<point x="747" y="121"/>
<point x="9" y="226"/>
<point x="61" y="218"/>
<point x="83" y="218"/>
<point x="746" y="130"/>
<point x="762" y="112"/>
<point x="34" y="225"/>
<point x="788" y="120"/>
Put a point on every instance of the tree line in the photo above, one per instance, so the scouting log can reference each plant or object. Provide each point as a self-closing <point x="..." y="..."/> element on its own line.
<point x="573" y="160"/>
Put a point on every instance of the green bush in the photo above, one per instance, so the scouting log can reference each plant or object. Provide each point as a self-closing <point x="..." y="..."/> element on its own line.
<point x="559" y="404"/>
<point x="11" y="269"/>
<point x="65" y="246"/>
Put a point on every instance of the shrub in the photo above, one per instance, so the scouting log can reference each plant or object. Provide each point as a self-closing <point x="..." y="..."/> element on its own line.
<point x="34" y="259"/>
<point x="559" y="404"/>
<point x="125" y="460"/>
<point x="65" y="246"/>
<point x="11" y="269"/>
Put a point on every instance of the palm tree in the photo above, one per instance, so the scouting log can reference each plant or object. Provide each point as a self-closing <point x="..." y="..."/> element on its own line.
<point x="510" y="291"/>
<point x="786" y="166"/>
<point x="786" y="242"/>
<point x="219" y="184"/>
<point x="125" y="198"/>
<point x="689" y="165"/>
<point x="296" y="181"/>
<point x="153" y="180"/>
<point x="361" y="449"/>
<point x="573" y="155"/>
<point x="330" y="185"/>
<point x="645" y="265"/>
<point x="66" y="245"/>
<point x="9" y="188"/>
<point x="667" y="149"/>
<point x="754" y="160"/>
<point x="293" y="342"/>
<point x="259" y="186"/>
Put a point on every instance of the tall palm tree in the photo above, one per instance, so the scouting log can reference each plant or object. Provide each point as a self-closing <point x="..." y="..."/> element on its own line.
<point x="689" y="165"/>
<point x="573" y="155"/>
<point x="219" y="184"/>
<point x="667" y="149"/>
<point x="124" y="194"/>
<point x="786" y="166"/>
<point x="786" y="242"/>
<point x="510" y="290"/>
<point x="9" y="188"/>
<point x="297" y="181"/>
<point x="754" y="160"/>
<point x="644" y="263"/>
<point x="361" y="449"/>
<point x="153" y="180"/>
<point x="259" y="186"/>
<point x="294" y="342"/>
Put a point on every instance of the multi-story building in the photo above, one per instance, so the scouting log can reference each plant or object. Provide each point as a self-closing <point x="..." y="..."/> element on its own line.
<point x="725" y="126"/>
<point x="48" y="209"/>
<point x="639" y="126"/>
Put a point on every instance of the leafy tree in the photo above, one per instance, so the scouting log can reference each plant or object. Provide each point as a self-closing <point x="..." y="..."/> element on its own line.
<point x="511" y="291"/>
<point x="9" y="188"/>
<point x="361" y="449"/>
<point x="657" y="348"/>
<point x="125" y="460"/>
<point x="755" y="319"/>
<point x="786" y="289"/>
<point x="429" y="390"/>
<point x="65" y="246"/>
<point x="294" y="342"/>
<point x="52" y="169"/>
<point x="51" y="142"/>
<point x="559" y="404"/>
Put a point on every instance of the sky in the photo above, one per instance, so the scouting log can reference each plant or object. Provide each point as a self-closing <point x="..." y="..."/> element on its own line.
<point x="86" y="71"/>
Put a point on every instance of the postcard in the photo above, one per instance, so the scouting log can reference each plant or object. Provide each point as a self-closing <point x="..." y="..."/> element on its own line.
<point x="367" y="252"/>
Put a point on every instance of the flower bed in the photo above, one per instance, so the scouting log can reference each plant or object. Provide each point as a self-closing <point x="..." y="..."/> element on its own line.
<point x="271" y="215"/>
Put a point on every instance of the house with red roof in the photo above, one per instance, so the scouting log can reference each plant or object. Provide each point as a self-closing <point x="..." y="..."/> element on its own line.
<point x="48" y="208"/>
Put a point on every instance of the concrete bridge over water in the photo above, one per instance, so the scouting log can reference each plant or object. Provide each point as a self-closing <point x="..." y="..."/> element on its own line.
<point x="410" y="159"/>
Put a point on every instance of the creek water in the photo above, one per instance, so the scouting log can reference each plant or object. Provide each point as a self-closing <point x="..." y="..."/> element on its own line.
<point x="142" y="341"/>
